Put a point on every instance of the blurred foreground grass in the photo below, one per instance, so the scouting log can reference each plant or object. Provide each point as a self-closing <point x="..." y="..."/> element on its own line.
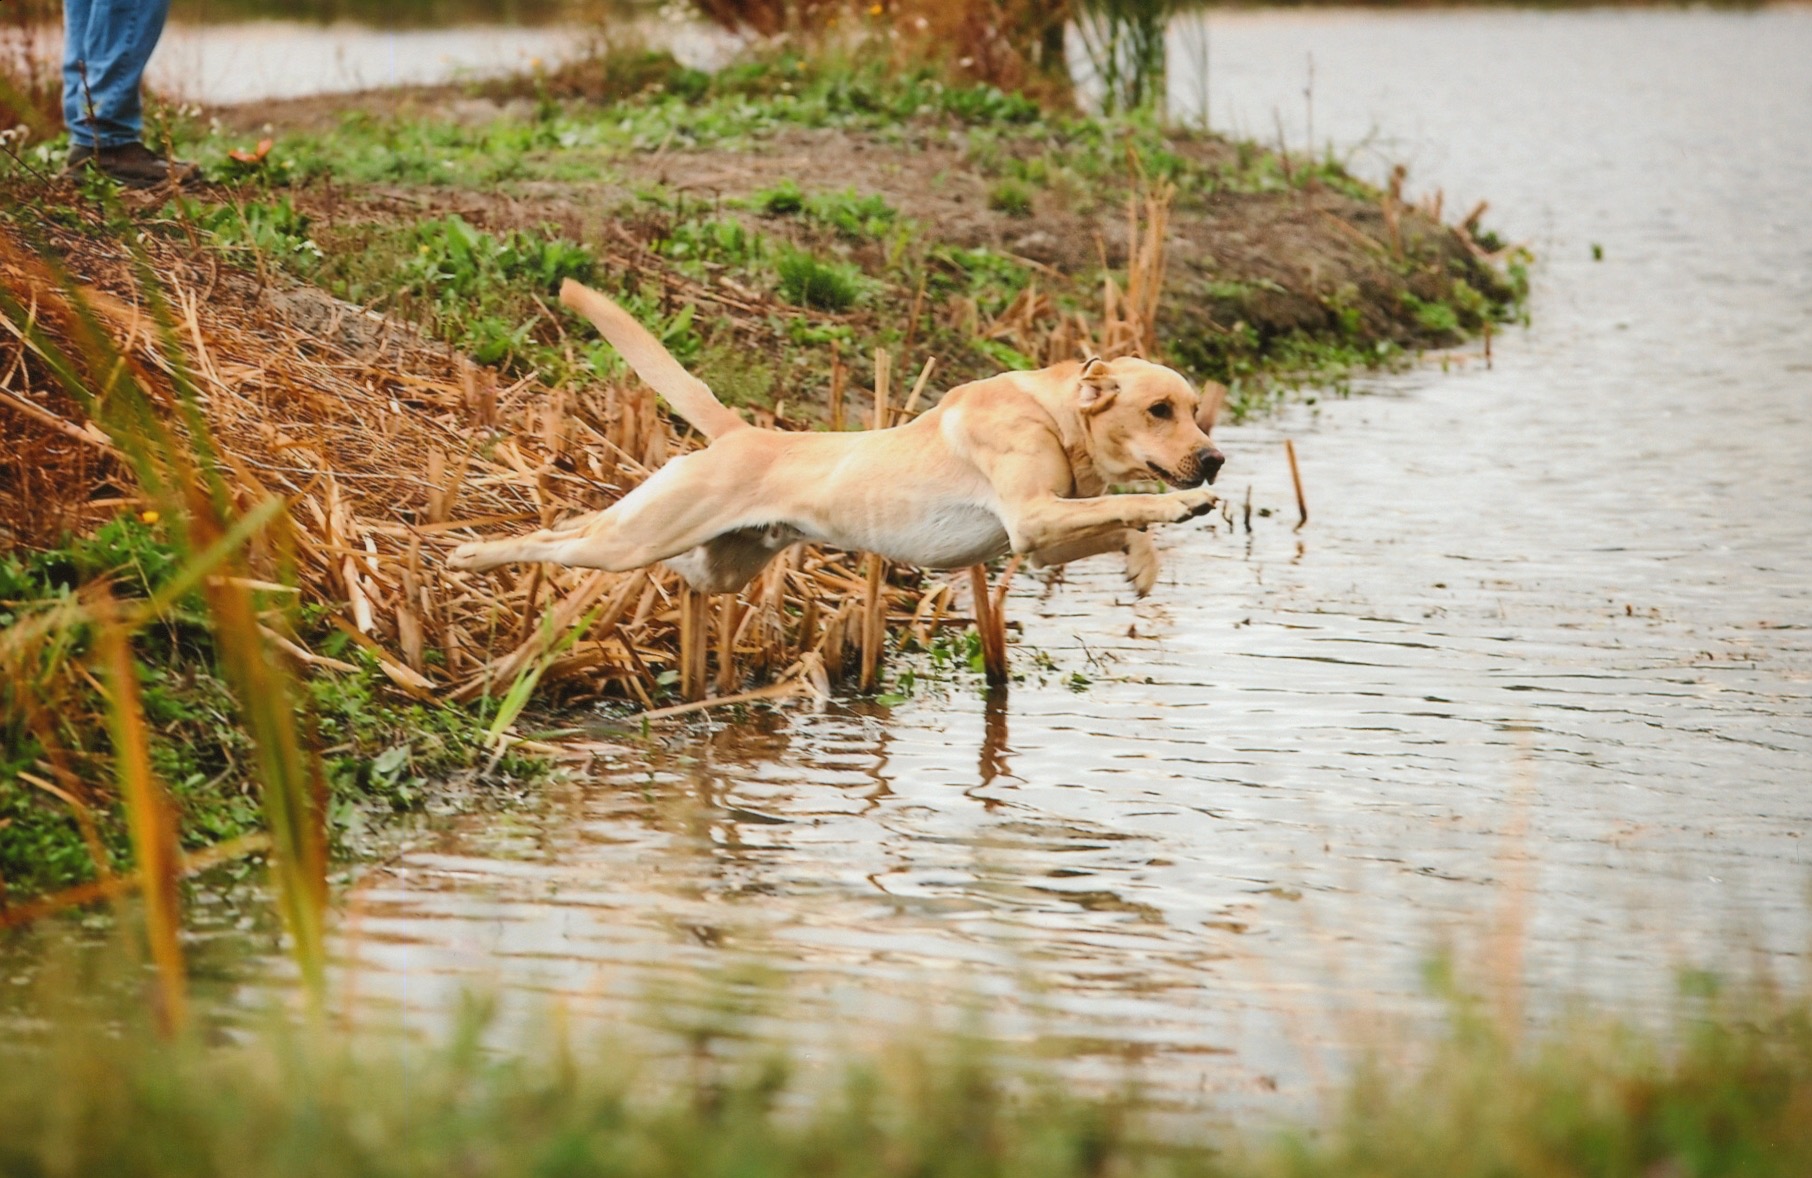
<point x="1725" y="1090"/>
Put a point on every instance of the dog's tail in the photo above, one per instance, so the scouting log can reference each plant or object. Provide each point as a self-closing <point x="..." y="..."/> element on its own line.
<point x="690" y="397"/>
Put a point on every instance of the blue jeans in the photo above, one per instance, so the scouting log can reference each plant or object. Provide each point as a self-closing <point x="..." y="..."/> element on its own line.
<point x="105" y="48"/>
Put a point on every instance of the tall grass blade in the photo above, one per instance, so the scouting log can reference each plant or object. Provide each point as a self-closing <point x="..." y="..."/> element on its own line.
<point x="517" y="697"/>
<point x="148" y="813"/>
<point x="293" y="791"/>
<point x="1124" y="43"/>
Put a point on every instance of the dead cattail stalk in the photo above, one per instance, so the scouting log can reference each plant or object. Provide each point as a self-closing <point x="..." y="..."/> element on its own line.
<point x="874" y="621"/>
<point x="772" y="691"/>
<point x="839" y="378"/>
<point x="912" y="317"/>
<point x="989" y="627"/>
<point x="1302" y="505"/>
<point x="918" y="388"/>
<point x="1392" y="207"/>
<point x="830" y="646"/>
<point x="883" y="375"/>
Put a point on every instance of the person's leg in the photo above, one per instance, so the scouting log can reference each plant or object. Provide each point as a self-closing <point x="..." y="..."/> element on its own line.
<point x="75" y="39"/>
<point x="108" y="43"/>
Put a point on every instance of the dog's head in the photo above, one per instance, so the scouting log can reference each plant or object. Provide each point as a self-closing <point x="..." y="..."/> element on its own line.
<point x="1144" y="419"/>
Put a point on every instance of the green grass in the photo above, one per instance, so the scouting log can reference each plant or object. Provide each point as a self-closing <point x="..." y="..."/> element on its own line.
<point x="1011" y="197"/>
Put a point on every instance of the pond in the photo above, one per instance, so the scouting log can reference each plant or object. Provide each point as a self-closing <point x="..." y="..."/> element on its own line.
<point x="1534" y="683"/>
<point x="238" y="61"/>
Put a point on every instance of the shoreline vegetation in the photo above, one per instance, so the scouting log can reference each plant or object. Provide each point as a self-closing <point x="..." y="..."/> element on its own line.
<point x="242" y="424"/>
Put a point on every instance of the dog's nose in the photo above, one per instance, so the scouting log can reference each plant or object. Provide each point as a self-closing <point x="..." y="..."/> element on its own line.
<point x="1209" y="461"/>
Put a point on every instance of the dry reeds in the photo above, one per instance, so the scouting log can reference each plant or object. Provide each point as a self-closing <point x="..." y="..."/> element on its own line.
<point x="389" y="454"/>
<point x="149" y="816"/>
<point x="1391" y="205"/>
<point x="1302" y="503"/>
<point x="1128" y="321"/>
<point x="1016" y="45"/>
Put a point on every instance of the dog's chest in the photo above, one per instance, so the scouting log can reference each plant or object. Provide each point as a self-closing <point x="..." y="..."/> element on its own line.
<point x="949" y="535"/>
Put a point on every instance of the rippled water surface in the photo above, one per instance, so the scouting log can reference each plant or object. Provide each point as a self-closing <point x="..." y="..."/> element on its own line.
<point x="1540" y="661"/>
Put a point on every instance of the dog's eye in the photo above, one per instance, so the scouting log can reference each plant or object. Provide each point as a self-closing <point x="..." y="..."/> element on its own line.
<point x="1162" y="410"/>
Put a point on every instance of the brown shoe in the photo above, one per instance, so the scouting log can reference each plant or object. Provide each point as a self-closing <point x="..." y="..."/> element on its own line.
<point x="134" y="165"/>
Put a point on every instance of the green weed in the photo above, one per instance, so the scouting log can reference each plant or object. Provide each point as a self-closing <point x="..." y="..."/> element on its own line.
<point x="1011" y="197"/>
<point x="850" y="213"/>
<point x="274" y="229"/>
<point x="810" y="281"/>
<point x="1436" y="318"/>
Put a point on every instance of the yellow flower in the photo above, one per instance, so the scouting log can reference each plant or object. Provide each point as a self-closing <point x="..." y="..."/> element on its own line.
<point x="875" y="10"/>
<point x="147" y="517"/>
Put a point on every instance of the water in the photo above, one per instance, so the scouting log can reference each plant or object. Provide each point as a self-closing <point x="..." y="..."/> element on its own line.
<point x="1535" y="681"/>
<point x="252" y="61"/>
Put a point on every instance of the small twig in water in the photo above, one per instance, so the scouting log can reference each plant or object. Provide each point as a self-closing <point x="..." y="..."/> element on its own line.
<point x="1302" y="506"/>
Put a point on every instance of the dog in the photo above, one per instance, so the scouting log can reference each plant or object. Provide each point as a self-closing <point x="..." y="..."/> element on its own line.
<point x="1014" y="463"/>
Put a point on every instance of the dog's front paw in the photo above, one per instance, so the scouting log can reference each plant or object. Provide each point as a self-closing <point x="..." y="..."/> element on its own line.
<point x="1188" y="505"/>
<point x="1141" y="563"/>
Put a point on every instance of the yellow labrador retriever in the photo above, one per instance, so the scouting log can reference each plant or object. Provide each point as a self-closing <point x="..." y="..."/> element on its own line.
<point x="1017" y="462"/>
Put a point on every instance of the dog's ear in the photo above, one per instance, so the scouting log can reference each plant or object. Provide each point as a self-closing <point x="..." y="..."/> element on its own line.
<point x="1098" y="385"/>
<point x="1214" y="395"/>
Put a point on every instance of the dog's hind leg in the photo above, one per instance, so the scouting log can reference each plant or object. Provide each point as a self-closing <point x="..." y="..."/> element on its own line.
<point x="665" y="516"/>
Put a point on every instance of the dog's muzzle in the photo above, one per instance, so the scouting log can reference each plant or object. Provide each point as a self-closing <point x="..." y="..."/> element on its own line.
<point x="1203" y="465"/>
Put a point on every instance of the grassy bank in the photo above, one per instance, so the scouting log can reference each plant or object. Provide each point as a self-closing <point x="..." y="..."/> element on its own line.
<point x="761" y="214"/>
<point x="361" y="315"/>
